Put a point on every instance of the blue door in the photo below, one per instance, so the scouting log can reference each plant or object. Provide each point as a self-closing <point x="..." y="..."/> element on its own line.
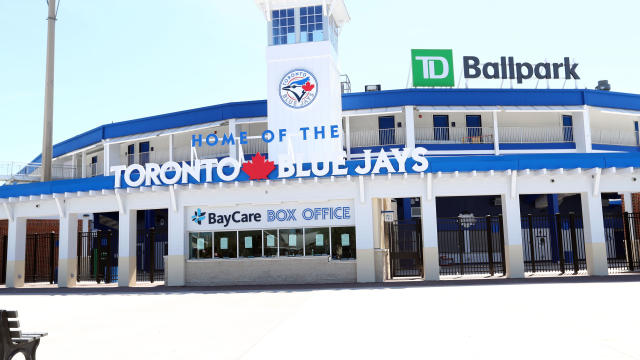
<point x="387" y="132"/>
<point x="474" y="128"/>
<point x="567" y="128"/>
<point x="94" y="166"/>
<point x="131" y="152"/>
<point x="144" y="152"/>
<point x="441" y="127"/>
<point x="635" y="126"/>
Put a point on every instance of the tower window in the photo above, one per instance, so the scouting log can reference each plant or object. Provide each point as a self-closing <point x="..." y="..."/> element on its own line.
<point x="311" y="24"/>
<point x="284" y="29"/>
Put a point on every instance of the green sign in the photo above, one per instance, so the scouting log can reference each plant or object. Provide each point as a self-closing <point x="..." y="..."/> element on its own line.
<point x="432" y="67"/>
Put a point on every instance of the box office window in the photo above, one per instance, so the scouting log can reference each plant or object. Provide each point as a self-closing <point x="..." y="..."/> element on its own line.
<point x="316" y="242"/>
<point x="270" y="241"/>
<point x="343" y="242"/>
<point x="250" y="243"/>
<point x="291" y="242"/>
<point x="201" y="245"/>
<point x="225" y="244"/>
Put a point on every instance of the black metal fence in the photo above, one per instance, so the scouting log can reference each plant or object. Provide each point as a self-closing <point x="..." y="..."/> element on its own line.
<point x="622" y="236"/>
<point x="3" y="258"/>
<point x="41" y="258"/>
<point x="405" y="249"/>
<point x="471" y="245"/>
<point x="151" y="247"/>
<point x="553" y="243"/>
<point x="98" y="256"/>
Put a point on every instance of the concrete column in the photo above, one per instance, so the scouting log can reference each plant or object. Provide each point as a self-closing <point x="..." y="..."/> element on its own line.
<point x="430" y="256"/>
<point x="496" y="135"/>
<point x="111" y="156"/>
<point x="83" y="168"/>
<point x="628" y="202"/>
<point x="177" y="248"/>
<point x="347" y="136"/>
<point x="365" y="267"/>
<point x="85" y="222"/>
<point x="512" y="236"/>
<point x="16" y="247"/>
<point x="171" y="147"/>
<point x="68" y="251"/>
<point x="409" y="127"/>
<point x="594" y="239"/>
<point x="233" y="152"/>
<point x="582" y="131"/>
<point x="127" y="248"/>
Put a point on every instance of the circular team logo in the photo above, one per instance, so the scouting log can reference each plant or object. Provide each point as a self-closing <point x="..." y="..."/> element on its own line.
<point x="298" y="88"/>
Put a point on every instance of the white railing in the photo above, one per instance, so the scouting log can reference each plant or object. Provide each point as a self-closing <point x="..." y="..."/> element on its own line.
<point x="24" y="172"/>
<point x="614" y="137"/>
<point x="375" y="137"/>
<point x="254" y="146"/>
<point x="521" y="135"/>
<point x="94" y="169"/>
<point x="452" y="135"/>
<point x="156" y="156"/>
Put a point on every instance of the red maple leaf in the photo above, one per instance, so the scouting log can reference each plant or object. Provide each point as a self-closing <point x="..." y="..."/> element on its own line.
<point x="308" y="87"/>
<point x="258" y="167"/>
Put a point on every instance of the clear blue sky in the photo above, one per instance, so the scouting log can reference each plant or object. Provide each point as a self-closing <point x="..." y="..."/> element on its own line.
<point x="121" y="59"/>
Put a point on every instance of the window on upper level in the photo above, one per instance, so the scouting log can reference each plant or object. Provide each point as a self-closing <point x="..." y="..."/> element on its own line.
<point x="283" y="27"/>
<point x="311" y="28"/>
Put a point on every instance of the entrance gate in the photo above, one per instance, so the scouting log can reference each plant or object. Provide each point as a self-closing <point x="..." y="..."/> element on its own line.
<point x="98" y="256"/>
<point x="151" y="247"/>
<point x="41" y="258"/>
<point x="553" y="243"/>
<point x="622" y="236"/>
<point x="405" y="249"/>
<point x="471" y="245"/>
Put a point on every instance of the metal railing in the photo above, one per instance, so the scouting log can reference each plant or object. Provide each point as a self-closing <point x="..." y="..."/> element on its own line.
<point x="522" y="135"/>
<point x="452" y="135"/>
<point x="374" y="137"/>
<point x="22" y="172"/>
<point x="254" y="146"/>
<point x="614" y="137"/>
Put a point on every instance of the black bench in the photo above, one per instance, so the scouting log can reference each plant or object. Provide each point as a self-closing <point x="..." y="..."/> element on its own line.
<point x="14" y="341"/>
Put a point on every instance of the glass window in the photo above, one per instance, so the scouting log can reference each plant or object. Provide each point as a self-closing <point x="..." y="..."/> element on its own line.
<point x="343" y="242"/>
<point x="291" y="242"/>
<point x="283" y="27"/>
<point x="225" y="244"/>
<point x="270" y="240"/>
<point x="311" y="18"/>
<point x="316" y="242"/>
<point x="250" y="243"/>
<point x="200" y="245"/>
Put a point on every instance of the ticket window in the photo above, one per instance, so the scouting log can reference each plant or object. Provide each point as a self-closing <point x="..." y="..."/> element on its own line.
<point x="291" y="242"/>
<point x="225" y="245"/>
<point x="316" y="242"/>
<point x="270" y="241"/>
<point x="201" y="245"/>
<point x="250" y="244"/>
<point x="343" y="243"/>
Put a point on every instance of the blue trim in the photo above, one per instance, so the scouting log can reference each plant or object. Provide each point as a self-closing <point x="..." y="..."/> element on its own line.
<point x="443" y="163"/>
<point x="604" y="147"/>
<point x="354" y="101"/>
<point x="538" y="146"/>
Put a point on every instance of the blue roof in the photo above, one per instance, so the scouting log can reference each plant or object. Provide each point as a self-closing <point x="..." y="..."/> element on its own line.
<point x="364" y="100"/>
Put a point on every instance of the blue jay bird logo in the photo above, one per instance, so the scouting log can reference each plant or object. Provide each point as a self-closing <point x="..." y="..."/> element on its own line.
<point x="298" y="88"/>
<point x="198" y="216"/>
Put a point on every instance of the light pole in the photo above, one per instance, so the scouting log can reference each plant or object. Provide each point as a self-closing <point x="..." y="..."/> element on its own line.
<point x="48" y="94"/>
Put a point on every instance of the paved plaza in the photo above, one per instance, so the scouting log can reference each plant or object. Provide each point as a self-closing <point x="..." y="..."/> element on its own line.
<point x="542" y="318"/>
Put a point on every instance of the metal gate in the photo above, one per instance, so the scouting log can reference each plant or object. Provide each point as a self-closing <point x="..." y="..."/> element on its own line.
<point x="553" y="243"/>
<point x="151" y="247"/>
<point x="3" y="259"/>
<point x="471" y="245"/>
<point x="405" y="249"/>
<point x="98" y="256"/>
<point x="41" y="258"/>
<point x="622" y="234"/>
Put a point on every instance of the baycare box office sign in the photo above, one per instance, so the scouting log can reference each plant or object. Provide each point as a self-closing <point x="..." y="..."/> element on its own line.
<point x="258" y="217"/>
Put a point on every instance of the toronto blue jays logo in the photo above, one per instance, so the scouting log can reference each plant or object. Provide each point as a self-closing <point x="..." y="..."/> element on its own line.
<point x="298" y="88"/>
<point x="198" y="216"/>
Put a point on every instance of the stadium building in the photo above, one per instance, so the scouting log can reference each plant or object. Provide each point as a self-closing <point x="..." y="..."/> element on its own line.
<point x="318" y="184"/>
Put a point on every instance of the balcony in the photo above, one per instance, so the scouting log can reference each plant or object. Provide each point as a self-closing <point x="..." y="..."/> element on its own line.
<point x="16" y="172"/>
<point x="615" y="137"/>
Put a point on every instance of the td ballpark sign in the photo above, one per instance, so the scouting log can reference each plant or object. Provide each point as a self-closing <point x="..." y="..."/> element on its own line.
<point x="435" y="68"/>
<point x="259" y="168"/>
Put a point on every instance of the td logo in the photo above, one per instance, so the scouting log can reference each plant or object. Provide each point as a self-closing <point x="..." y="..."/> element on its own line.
<point x="432" y="67"/>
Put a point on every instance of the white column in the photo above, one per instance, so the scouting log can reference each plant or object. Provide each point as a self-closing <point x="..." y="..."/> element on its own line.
<point x="233" y="153"/>
<point x="68" y="251"/>
<point x="74" y="164"/>
<point x="409" y="127"/>
<point x="85" y="223"/>
<point x="127" y="222"/>
<point x="178" y="251"/>
<point x="365" y="264"/>
<point x="496" y="135"/>
<point x="594" y="239"/>
<point x="16" y="247"/>
<point x="171" y="147"/>
<point x="628" y="202"/>
<point x="347" y="136"/>
<point x="84" y="164"/>
<point x="430" y="255"/>
<point x="512" y="236"/>
<point x="582" y="131"/>
<point x="111" y="156"/>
